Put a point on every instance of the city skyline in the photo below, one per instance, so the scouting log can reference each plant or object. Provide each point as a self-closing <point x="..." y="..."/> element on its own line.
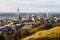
<point x="30" y="5"/>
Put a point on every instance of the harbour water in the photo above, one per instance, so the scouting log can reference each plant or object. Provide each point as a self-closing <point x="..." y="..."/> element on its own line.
<point x="14" y="15"/>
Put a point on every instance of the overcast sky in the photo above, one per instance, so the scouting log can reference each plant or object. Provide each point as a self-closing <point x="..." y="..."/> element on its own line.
<point x="30" y="5"/>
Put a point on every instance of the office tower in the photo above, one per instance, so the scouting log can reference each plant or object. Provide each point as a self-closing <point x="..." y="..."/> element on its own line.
<point x="34" y="18"/>
<point x="48" y="15"/>
<point x="41" y="15"/>
<point x="28" y="16"/>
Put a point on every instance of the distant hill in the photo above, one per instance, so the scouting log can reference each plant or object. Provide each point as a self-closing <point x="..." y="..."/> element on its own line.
<point x="51" y="34"/>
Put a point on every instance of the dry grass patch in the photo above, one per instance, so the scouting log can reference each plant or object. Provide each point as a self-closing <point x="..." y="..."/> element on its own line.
<point x="51" y="33"/>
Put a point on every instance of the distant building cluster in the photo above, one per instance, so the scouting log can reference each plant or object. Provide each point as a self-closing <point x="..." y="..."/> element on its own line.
<point x="27" y="22"/>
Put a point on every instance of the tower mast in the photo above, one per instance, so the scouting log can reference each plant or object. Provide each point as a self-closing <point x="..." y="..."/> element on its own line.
<point x="17" y="8"/>
<point x="18" y="14"/>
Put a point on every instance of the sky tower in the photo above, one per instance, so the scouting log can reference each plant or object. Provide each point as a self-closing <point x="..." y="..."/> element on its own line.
<point x="18" y="11"/>
<point x="18" y="14"/>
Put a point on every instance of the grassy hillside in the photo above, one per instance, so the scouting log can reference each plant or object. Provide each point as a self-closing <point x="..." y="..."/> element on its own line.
<point x="20" y="34"/>
<point x="51" y="34"/>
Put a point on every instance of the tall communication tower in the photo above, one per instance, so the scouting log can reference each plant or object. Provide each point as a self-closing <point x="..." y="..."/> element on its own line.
<point x="18" y="14"/>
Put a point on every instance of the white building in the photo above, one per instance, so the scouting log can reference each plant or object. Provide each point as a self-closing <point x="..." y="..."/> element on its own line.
<point x="48" y="15"/>
<point x="33" y="18"/>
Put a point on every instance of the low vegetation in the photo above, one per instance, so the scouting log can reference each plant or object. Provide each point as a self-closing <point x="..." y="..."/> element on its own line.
<point x="35" y="31"/>
<point x="51" y="34"/>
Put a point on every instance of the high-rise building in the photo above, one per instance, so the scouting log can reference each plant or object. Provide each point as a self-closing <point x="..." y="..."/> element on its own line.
<point x="48" y="15"/>
<point x="41" y="16"/>
<point x="34" y="18"/>
<point x="28" y="15"/>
